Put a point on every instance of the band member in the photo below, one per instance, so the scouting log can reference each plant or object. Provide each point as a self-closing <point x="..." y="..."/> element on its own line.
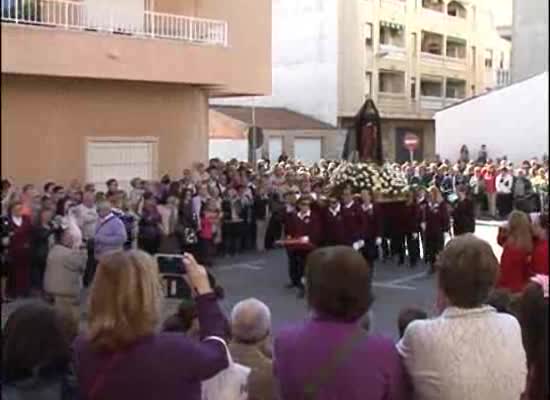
<point x="370" y="228"/>
<point x="435" y="223"/>
<point x="463" y="214"/>
<point x="411" y="222"/>
<point x="333" y="222"/>
<point x="306" y="226"/>
<point x="351" y="216"/>
<point x="290" y="199"/>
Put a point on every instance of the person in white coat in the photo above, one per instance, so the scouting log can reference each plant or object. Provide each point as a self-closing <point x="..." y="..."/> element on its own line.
<point x="64" y="270"/>
<point x="470" y="351"/>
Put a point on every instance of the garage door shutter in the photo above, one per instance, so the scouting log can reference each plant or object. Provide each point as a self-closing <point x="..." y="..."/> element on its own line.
<point x="275" y="148"/>
<point x="120" y="160"/>
<point x="226" y="149"/>
<point x="307" y="150"/>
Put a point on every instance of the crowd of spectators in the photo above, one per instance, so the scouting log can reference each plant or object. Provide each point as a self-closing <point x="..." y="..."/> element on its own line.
<point x="58" y="240"/>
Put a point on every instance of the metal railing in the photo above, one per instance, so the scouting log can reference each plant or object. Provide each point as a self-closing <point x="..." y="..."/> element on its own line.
<point x="76" y="15"/>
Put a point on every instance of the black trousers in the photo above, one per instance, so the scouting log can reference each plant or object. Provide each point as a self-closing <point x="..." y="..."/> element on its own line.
<point x="91" y="265"/>
<point x="370" y="253"/>
<point x="296" y="267"/>
<point x="232" y="236"/>
<point x="413" y="247"/>
<point x="150" y="245"/>
<point x="273" y="233"/>
<point x="434" y="245"/>
<point x="504" y="204"/>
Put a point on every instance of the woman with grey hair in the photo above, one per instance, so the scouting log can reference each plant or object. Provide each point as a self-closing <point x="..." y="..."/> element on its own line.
<point x="251" y="328"/>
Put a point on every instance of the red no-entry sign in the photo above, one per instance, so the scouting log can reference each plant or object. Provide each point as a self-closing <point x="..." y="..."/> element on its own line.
<point x="410" y="141"/>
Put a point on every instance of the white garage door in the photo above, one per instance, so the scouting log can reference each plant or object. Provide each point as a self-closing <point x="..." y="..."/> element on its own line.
<point x="275" y="148"/>
<point x="308" y="150"/>
<point x="226" y="149"/>
<point x="120" y="160"/>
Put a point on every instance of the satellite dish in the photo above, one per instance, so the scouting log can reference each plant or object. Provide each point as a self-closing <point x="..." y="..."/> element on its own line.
<point x="259" y="137"/>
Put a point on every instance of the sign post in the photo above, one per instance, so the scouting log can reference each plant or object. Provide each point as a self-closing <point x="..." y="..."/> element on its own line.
<point x="410" y="142"/>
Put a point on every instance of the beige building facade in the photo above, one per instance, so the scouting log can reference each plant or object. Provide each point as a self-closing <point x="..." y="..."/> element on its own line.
<point x="95" y="89"/>
<point x="414" y="57"/>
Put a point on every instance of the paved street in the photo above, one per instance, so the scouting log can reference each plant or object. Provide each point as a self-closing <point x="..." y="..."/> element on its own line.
<point x="264" y="277"/>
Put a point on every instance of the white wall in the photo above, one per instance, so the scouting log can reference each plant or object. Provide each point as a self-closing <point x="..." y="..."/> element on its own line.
<point x="125" y="14"/>
<point x="304" y="59"/>
<point x="226" y="149"/>
<point x="512" y="121"/>
<point x="529" y="38"/>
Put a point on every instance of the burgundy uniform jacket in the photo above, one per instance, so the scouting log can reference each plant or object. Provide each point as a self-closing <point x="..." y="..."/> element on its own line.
<point x="351" y="216"/>
<point x="436" y="218"/>
<point x="334" y="228"/>
<point x="371" y="223"/>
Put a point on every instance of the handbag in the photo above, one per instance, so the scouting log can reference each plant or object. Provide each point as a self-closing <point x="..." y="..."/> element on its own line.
<point x="229" y="384"/>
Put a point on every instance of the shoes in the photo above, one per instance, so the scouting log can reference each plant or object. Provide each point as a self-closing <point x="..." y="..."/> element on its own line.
<point x="290" y="285"/>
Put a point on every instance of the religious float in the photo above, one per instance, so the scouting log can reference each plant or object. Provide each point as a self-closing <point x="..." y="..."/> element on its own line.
<point x="364" y="168"/>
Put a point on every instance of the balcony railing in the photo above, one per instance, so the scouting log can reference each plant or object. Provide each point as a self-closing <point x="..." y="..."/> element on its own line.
<point x="435" y="103"/>
<point x="504" y="77"/>
<point x="388" y="51"/>
<point x="398" y="6"/>
<point x="75" y="15"/>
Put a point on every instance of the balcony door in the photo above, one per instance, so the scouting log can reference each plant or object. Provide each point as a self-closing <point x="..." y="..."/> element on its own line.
<point x="118" y="16"/>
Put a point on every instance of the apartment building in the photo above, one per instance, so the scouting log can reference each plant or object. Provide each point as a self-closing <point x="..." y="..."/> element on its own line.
<point x="93" y="89"/>
<point x="413" y="57"/>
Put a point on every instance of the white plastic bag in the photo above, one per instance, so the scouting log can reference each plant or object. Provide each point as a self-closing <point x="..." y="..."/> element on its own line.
<point x="229" y="384"/>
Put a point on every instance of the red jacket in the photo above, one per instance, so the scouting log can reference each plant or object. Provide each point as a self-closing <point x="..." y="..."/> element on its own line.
<point x="539" y="260"/>
<point x="371" y="224"/>
<point x="411" y="218"/>
<point x="334" y="228"/>
<point x="436" y="219"/>
<point x="351" y="217"/>
<point x="514" y="268"/>
<point x="309" y="226"/>
<point x="490" y="182"/>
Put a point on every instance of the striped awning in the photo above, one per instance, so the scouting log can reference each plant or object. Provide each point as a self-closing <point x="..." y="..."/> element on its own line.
<point x="392" y="25"/>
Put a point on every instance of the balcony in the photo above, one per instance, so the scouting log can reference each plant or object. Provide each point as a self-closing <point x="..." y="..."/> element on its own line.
<point x="79" y="16"/>
<point x="393" y="10"/>
<point x="392" y="53"/>
<point x="434" y="103"/>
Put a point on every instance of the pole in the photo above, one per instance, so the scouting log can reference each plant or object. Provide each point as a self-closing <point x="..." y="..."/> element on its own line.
<point x="253" y="154"/>
<point x="411" y="155"/>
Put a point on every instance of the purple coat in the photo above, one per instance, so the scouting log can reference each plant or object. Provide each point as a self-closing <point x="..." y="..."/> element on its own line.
<point x="371" y="371"/>
<point x="164" y="366"/>
<point x="110" y="235"/>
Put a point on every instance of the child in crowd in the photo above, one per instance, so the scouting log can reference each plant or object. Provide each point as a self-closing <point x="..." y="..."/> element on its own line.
<point x="408" y="315"/>
<point x="209" y="221"/>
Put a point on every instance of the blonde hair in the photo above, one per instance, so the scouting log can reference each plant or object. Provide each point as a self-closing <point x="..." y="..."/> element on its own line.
<point x="520" y="232"/>
<point x="125" y="300"/>
<point x="435" y="194"/>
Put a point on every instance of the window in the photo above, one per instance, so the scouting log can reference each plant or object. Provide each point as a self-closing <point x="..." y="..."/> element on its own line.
<point x="456" y="48"/>
<point x="413" y="43"/>
<point x="392" y="34"/>
<point x="456" y="89"/>
<point x="456" y="9"/>
<point x="488" y="58"/>
<point x="431" y="86"/>
<point x="368" y="84"/>
<point x="501" y="63"/>
<point x="434" y="5"/>
<point x="368" y="34"/>
<point x="473" y="88"/>
<point x="391" y="82"/>
<point x="413" y="88"/>
<point x="432" y="43"/>
<point x="474" y="57"/>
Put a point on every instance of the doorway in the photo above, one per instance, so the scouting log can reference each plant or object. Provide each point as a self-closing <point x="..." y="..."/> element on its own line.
<point x="401" y="152"/>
